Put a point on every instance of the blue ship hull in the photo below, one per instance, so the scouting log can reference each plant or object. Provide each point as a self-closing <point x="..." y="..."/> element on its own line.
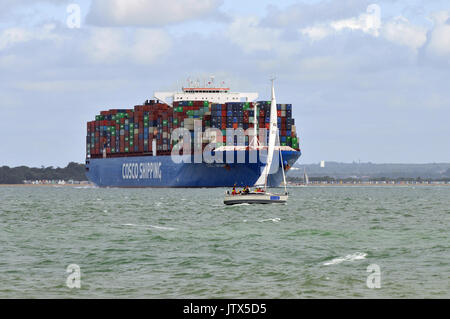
<point x="167" y="171"/>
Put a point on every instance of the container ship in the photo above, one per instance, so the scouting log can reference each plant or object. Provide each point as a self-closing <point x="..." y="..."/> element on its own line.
<point x="202" y="136"/>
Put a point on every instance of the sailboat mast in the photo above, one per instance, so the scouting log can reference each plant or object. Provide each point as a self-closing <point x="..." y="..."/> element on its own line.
<point x="282" y="163"/>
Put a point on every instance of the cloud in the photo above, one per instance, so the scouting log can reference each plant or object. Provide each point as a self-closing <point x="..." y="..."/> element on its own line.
<point x="141" y="46"/>
<point x="301" y="15"/>
<point x="367" y="22"/>
<point x="148" y="13"/>
<point x="13" y="36"/>
<point x="149" y="45"/>
<point x="316" y="33"/>
<point x="400" y="31"/>
<point x="397" y="30"/>
<point x="12" y="6"/>
<point x="252" y="37"/>
<point x="439" y="43"/>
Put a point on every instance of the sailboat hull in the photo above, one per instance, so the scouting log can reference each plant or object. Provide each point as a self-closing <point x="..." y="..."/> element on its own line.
<point x="255" y="198"/>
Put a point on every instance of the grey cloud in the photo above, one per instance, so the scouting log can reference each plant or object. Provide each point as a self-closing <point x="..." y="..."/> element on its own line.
<point x="150" y="13"/>
<point x="10" y="6"/>
<point x="303" y="14"/>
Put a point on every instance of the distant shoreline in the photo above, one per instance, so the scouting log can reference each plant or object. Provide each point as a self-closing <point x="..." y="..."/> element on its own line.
<point x="45" y="185"/>
<point x="364" y="184"/>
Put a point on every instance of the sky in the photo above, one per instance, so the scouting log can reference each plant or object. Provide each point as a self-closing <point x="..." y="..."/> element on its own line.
<point x="368" y="81"/>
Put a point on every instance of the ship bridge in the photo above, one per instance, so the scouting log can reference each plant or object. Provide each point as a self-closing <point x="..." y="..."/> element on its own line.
<point x="212" y="94"/>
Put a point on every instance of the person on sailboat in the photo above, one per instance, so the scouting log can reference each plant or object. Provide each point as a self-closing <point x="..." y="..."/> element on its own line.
<point x="246" y="190"/>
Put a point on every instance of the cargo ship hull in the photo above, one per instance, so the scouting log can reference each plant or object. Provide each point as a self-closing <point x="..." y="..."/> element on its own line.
<point x="182" y="171"/>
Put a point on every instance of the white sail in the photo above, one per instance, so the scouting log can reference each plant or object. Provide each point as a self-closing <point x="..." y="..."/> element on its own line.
<point x="262" y="180"/>
<point x="305" y="177"/>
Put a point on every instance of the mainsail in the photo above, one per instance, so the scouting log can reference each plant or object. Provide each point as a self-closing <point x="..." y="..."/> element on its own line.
<point x="273" y="132"/>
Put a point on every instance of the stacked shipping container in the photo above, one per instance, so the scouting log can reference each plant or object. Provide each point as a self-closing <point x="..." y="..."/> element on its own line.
<point x="121" y="132"/>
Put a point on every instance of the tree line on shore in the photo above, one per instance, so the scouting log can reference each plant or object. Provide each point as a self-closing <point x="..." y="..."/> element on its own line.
<point x="16" y="175"/>
<point x="330" y="179"/>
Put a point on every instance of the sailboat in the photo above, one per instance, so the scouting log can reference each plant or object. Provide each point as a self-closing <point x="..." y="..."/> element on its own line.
<point x="305" y="177"/>
<point x="261" y="196"/>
